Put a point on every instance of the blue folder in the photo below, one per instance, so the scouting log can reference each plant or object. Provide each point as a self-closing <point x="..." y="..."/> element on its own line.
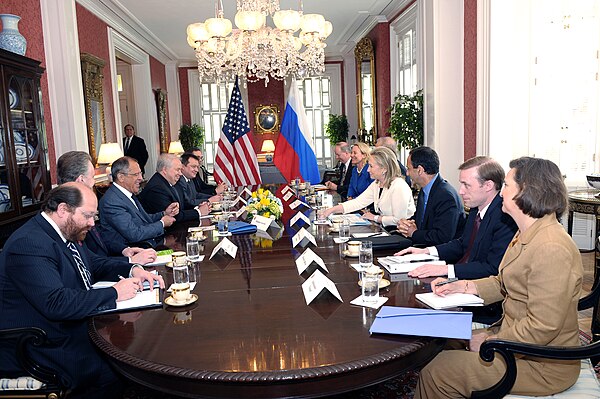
<point x="239" y="227"/>
<point x="422" y="322"/>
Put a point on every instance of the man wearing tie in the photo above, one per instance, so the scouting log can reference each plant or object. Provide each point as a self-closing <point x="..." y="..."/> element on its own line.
<point x="342" y="154"/>
<point x="135" y="147"/>
<point x="185" y="185"/>
<point x="440" y="216"/>
<point x="160" y="190"/>
<point x="123" y="219"/>
<point x="45" y="282"/>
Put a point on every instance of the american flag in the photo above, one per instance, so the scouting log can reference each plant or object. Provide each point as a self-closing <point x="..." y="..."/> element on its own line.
<point x="236" y="162"/>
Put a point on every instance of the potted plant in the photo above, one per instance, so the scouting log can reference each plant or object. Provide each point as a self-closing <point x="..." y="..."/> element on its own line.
<point x="406" y="121"/>
<point x="337" y="128"/>
<point x="191" y="136"/>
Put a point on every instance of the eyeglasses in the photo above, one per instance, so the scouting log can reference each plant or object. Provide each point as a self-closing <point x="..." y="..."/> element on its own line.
<point x="134" y="174"/>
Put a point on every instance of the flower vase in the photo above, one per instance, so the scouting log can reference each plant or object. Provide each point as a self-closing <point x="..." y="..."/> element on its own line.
<point x="10" y="37"/>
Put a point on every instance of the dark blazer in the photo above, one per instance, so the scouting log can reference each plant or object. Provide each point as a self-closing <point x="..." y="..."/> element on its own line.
<point x="495" y="233"/>
<point x="40" y="286"/>
<point x="158" y="194"/>
<point x="122" y="223"/>
<point x="444" y="217"/>
<point x="343" y="186"/>
<point x="137" y="150"/>
<point x="191" y="197"/>
<point x="95" y="243"/>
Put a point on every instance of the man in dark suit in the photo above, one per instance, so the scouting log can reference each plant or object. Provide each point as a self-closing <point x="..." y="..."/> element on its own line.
<point x="160" y="191"/>
<point x="488" y="231"/>
<point x="123" y="218"/>
<point x="342" y="154"/>
<point x="200" y="182"/>
<point x="135" y="147"/>
<point x="440" y="216"/>
<point x="185" y="185"/>
<point x="76" y="166"/>
<point x="45" y="282"/>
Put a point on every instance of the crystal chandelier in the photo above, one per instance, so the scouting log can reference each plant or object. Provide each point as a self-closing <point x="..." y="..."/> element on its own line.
<point x="256" y="51"/>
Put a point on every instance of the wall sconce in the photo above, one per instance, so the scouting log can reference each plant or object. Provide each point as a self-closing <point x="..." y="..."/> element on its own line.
<point x="176" y="148"/>
<point x="109" y="152"/>
<point x="268" y="147"/>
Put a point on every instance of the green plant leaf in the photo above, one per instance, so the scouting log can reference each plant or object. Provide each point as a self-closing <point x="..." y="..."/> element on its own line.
<point x="406" y="120"/>
<point x="191" y="136"/>
<point x="337" y="128"/>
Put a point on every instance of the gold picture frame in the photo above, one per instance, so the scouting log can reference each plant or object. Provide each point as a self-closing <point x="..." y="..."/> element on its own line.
<point x="91" y="72"/>
<point x="266" y="119"/>
<point x="161" y="109"/>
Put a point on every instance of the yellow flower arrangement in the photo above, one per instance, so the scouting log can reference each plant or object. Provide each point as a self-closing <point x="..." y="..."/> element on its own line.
<point x="264" y="203"/>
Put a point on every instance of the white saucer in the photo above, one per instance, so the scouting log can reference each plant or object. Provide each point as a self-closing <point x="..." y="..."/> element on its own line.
<point x="172" y="302"/>
<point x="383" y="283"/>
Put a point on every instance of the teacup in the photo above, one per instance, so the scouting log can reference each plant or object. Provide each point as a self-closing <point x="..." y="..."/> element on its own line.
<point x="178" y="258"/>
<point x="353" y="248"/>
<point x="181" y="292"/>
<point x="336" y="226"/>
<point x="216" y="206"/>
<point x="199" y="235"/>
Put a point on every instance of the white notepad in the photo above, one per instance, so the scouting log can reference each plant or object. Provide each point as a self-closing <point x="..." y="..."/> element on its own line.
<point x="449" y="301"/>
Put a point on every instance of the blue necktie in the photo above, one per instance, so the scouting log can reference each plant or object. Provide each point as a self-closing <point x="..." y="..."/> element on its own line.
<point x="83" y="271"/>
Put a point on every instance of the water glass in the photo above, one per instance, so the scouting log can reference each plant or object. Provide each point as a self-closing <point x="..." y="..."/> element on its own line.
<point x="370" y="286"/>
<point x="365" y="254"/>
<point x="345" y="230"/>
<point x="223" y="224"/>
<point x="180" y="290"/>
<point x="192" y="248"/>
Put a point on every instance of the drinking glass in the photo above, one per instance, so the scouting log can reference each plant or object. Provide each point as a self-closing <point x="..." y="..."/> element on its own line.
<point x="365" y="254"/>
<point x="370" y="285"/>
<point x="345" y="230"/>
<point x="223" y="224"/>
<point x="180" y="290"/>
<point x="192" y="248"/>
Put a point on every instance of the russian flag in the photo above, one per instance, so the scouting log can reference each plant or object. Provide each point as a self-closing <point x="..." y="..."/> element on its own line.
<point x="294" y="153"/>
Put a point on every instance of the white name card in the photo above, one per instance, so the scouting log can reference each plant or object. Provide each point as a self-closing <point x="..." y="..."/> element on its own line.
<point x="299" y="216"/>
<point x="297" y="203"/>
<point x="262" y="223"/>
<point x="315" y="284"/>
<point x="239" y="199"/>
<point x="286" y="189"/>
<point x="287" y="195"/>
<point x="239" y="212"/>
<point x="227" y="246"/>
<point x="301" y="235"/>
<point x="246" y="191"/>
<point x="307" y="258"/>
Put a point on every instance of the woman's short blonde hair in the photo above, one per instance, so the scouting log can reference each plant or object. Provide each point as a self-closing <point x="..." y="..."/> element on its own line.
<point x="386" y="159"/>
<point x="364" y="149"/>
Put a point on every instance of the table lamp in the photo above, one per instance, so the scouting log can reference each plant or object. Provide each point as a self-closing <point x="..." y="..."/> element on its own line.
<point x="176" y="148"/>
<point x="268" y="146"/>
<point x="109" y="152"/>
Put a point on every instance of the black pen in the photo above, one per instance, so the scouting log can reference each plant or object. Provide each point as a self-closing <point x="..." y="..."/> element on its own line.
<point x="450" y="280"/>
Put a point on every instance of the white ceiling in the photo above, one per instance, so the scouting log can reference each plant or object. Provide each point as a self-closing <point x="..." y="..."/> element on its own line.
<point x="158" y="26"/>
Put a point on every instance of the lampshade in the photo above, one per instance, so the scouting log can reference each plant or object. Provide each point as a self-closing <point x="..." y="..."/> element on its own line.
<point x="176" y="148"/>
<point x="109" y="152"/>
<point x="268" y="146"/>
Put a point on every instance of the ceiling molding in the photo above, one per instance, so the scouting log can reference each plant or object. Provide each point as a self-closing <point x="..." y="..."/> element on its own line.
<point x="122" y="21"/>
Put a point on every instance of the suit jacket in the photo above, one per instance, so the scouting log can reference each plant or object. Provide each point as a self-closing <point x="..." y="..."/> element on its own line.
<point x="137" y="150"/>
<point x="40" y="286"/>
<point x="122" y="223"/>
<point x="95" y="243"/>
<point x="344" y="185"/>
<point x="359" y="181"/>
<point x="158" y="194"/>
<point x="494" y="234"/>
<point x="444" y="217"/>
<point x="188" y="191"/>
<point x="539" y="282"/>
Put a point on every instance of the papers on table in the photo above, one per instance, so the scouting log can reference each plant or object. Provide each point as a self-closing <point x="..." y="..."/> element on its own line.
<point x="406" y="263"/>
<point x="353" y="218"/>
<point x="359" y="301"/>
<point x="200" y="228"/>
<point x="107" y="284"/>
<point x="449" y="301"/>
<point x="422" y="322"/>
<point x="319" y="187"/>
<point x="142" y="299"/>
<point x="160" y="260"/>
<point x="365" y="235"/>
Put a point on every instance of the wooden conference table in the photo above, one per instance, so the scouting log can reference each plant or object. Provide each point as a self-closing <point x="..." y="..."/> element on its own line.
<point x="251" y="333"/>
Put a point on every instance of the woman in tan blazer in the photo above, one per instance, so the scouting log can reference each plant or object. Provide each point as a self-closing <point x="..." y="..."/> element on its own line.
<point x="539" y="282"/>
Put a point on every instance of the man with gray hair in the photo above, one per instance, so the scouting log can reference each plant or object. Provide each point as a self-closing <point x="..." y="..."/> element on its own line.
<point x="387" y="141"/>
<point x="76" y="166"/>
<point x="342" y="154"/>
<point x="160" y="190"/>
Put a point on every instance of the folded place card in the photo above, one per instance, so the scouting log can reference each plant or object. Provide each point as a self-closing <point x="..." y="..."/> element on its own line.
<point x="263" y="223"/>
<point x="304" y="237"/>
<point x="307" y="258"/>
<point x="246" y="191"/>
<point x="315" y="284"/>
<point x="288" y="195"/>
<point x="239" y="199"/>
<point x="227" y="246"/>
<point x="299" y="216"/>
<point x="450" y="300"/>
<point x="239" y="212"/>
<point x="422" y="322"/>
<point x="298" y="203"/>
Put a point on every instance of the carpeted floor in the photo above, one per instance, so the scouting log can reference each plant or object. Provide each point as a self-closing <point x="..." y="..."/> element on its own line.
<point x="401" y="387"/>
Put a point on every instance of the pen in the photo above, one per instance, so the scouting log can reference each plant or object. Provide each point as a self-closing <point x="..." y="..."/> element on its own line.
<point x="450" y="280"/>
<point x="121" y="277"/>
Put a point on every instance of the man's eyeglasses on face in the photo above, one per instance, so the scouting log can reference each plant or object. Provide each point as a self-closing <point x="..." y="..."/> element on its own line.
<point x="134" y="174"/>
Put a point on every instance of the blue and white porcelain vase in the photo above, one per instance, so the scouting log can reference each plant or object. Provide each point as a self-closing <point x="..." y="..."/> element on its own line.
<point x="10" y="38"/>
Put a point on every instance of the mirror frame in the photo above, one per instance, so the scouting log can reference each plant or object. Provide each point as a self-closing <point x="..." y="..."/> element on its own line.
<point x="364" y="51"/>
<point x="259" y="126"/>
<point x="161" y="109"/>
<point x="93" y="79"/>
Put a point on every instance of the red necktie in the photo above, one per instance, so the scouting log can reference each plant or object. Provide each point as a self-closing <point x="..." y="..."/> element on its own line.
<point x="465" y="257"/>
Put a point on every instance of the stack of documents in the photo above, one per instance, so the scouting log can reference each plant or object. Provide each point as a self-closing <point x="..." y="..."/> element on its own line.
<point x="406" y="263"/>
<point x="353" y="219"/>
<point x="369" y="235"/>
<point x="449" y="301"/>
<point x="422" y="322"/>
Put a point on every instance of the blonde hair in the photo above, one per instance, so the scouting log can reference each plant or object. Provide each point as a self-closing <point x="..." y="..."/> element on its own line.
<point x="364" y="149"/>
<point x="386" y="159"/>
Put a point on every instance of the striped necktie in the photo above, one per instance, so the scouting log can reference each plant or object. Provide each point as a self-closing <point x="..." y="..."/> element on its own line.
<point x="83" y="271"/>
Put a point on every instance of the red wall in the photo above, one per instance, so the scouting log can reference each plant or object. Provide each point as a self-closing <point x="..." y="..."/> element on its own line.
<point x="30" y="27"/>
<point x="380" y="36"/>
<point x="470" y="81"/>
<point x="184" y="92"/>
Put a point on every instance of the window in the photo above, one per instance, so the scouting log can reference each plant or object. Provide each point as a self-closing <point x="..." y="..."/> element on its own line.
<point x="316" y="97"/>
